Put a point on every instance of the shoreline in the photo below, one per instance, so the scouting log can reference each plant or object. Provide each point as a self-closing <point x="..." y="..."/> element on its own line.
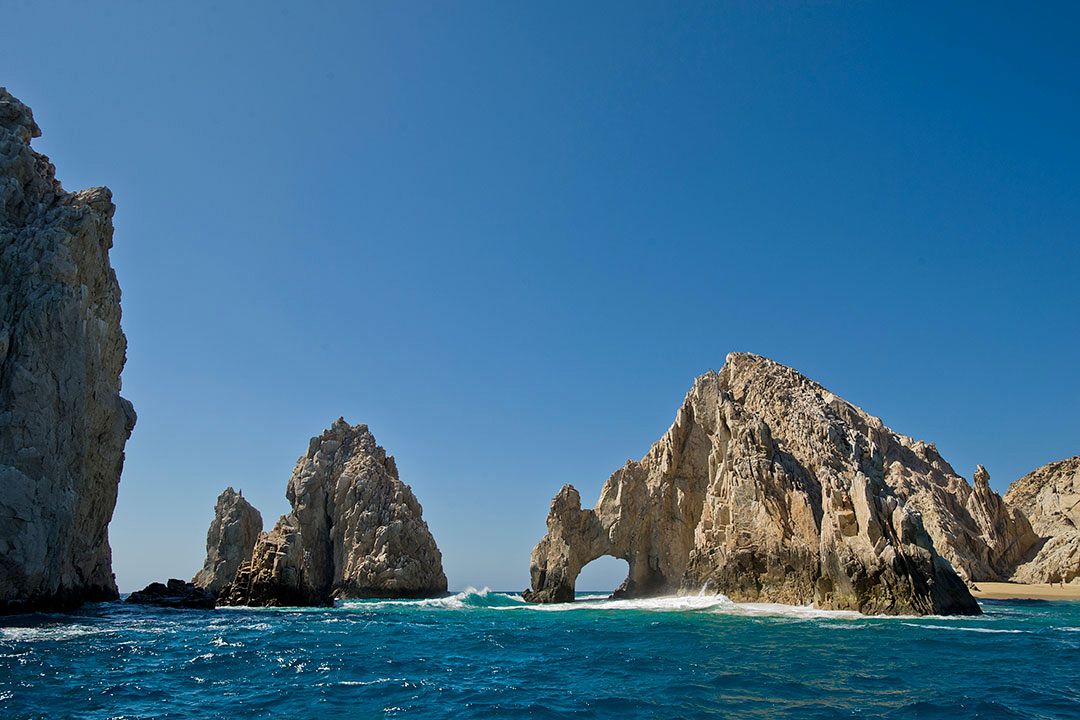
<point x="1022" y="591"/>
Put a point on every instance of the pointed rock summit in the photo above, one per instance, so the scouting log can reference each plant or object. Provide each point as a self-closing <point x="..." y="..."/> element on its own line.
<point x="1050" y="497"/>
<point x="768" y="488"/>
<point x="355" y="531"/>
<point x="63" y="424"/>
<point x="229" y="541"/>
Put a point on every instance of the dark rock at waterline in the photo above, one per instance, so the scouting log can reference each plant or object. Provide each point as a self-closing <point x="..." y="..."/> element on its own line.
<point x="174" y="594"/>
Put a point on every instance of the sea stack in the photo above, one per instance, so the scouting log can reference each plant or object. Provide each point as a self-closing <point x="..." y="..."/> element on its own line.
<point x="63" y="424"/>
<point x="766" y="488"/>
<point x="229" y="541"/>
<point x="1050" y="498"/>
<point x="355" y="531"/>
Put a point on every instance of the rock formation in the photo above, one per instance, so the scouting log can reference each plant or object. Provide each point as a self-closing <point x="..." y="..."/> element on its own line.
<point x="63" y="424"/>
<point x="1050" y="498"/>
<point x="174" y="594"/>
<point x="355" y="531"/>
<point x="229" y="541"/>
<point x="766" y="488"/>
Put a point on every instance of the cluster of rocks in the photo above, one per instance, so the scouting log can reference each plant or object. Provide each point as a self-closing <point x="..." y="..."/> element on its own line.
<point x="768" y="487"/>
<point x="176" y="594"/>
<point x="63" y="424"/>
<point x="355" y="531"/>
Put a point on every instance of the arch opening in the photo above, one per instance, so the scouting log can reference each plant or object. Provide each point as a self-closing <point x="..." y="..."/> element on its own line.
<point x="602" y="576"/>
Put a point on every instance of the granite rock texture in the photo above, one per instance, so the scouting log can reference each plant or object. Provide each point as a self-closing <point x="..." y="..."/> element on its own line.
<point x="63" y="423"/>
<point x="766" y="488"/>
<point x="1050" y="498"/>
<point x="229" y="541"/>
<point x="355" y="531"/>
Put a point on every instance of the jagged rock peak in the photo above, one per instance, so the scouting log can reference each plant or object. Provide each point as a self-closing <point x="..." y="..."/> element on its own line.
<point x="64" y="424"/>
<point x="1050" y="498"/>
<point x="355" y="530"/>
<point x="767" y="487"/>
<point x="229" y="541"/>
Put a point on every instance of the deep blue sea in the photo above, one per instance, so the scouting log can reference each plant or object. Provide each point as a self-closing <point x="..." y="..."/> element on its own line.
<point x="482" y="654"/>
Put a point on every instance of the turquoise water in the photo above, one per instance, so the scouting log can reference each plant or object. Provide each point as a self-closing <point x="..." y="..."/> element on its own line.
<point x="488" y="655"/>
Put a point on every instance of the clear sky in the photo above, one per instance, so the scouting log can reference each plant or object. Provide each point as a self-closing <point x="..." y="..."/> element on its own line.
<point x="508" y="237"/>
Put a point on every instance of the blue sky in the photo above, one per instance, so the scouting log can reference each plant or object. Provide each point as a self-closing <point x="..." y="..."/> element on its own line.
<point x="508" y="237"/>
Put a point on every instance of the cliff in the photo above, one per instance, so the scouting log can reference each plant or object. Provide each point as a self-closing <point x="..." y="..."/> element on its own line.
<point x="63" y="424"/>
<point x="1050" y="498"/>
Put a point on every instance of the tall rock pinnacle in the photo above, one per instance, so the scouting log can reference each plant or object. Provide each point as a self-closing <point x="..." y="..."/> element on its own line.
<point x="355" y="531"/>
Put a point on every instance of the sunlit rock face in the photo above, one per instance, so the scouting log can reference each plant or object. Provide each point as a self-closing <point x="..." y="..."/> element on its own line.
<point x="767" y="487"/>
<point x="1050" y="498"/>
<point x="63" y="424"/>
<point x="355" y="531"/>
<point x="229" y="541"/>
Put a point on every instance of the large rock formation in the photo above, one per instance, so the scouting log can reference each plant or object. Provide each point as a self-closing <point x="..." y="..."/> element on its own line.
<point x="63" y="424"/>
<point x="1050" y="497"/>
<point x="229" y="541"/>
<point x="355" y="531"/>
<point x="766" y="488"/>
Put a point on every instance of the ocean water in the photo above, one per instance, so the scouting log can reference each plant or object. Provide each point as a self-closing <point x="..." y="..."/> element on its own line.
<point x="483" y="654"/>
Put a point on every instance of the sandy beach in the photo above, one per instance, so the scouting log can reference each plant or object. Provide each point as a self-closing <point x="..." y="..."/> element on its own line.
<point x="1010" y="591"/>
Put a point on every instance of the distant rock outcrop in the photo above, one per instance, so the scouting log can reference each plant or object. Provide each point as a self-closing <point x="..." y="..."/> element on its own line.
<point x="229" y="541"/>
<point x="766" y="488"/>
<point x="1050" y="498"/>
<point x="63" y="424"/>
<point x="355" y="531"/>
<point x="174" y="594"/>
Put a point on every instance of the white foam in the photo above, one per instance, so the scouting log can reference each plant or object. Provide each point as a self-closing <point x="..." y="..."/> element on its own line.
<point x="964" y="629"/>
<point x="719" y="604"/>
<point x="56" y="632"/>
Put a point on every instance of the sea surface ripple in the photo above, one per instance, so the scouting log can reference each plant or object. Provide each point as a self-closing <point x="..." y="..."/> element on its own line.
<point x="483" y="654"/>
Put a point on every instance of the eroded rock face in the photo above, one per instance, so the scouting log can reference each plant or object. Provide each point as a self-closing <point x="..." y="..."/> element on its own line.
<point x="63" y="424"/>
<point x="766" y="488"/>
<point x="355" y="531"/>
<point x="229" y="541"/>
<point x="1050" y="498"/>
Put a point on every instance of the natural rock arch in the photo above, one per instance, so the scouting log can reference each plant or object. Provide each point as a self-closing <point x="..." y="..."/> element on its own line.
<point x="767" y="487"/>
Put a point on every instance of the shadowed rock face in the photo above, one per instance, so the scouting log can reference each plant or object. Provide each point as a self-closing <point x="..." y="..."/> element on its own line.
<point x="766" y="488"/>
<point x="229" y="541"/>
<point x="173" y="594"/>
<point x="1050" y="498"/>
<point x="355" y="531"/>
<point x="63" y="424"/>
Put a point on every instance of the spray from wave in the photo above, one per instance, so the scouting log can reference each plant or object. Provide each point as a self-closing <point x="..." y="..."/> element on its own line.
<point x="485" y="598"/>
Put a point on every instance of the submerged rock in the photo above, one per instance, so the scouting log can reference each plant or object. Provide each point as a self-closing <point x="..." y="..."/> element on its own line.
<point x="355" y="531"/>
<point x="63" y="424"/>
<point x="174" y="594"/>
<point x="229" y="541"/>
<point x="1050" y="498"/>
<point x="766" y="488"/>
